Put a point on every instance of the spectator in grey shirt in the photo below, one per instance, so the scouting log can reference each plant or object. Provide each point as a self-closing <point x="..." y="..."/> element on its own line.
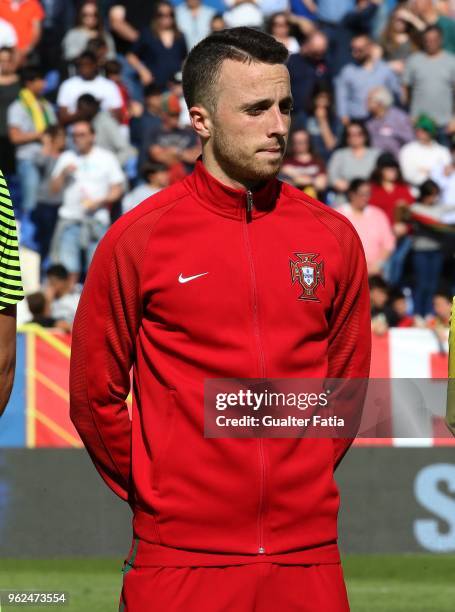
<point x="89" y="25"/>
<point x="358" y="78"/>
<point x="389" y="127"/>
<point x="355" y="158"/>
<point x="429" y="79"/>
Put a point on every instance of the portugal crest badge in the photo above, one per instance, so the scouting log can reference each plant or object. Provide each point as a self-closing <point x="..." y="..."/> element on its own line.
<point x="309" y="273"/>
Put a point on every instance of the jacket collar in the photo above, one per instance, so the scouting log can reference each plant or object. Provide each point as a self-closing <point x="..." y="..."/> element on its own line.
<point x="229" y="202"/>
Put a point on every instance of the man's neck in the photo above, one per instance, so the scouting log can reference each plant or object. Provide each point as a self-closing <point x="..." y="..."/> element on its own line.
<point x="221" y="175"/>
<point x="85" y="153"/>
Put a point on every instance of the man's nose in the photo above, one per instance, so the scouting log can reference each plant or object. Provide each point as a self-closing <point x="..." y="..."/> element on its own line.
<point x="279" y="122"/>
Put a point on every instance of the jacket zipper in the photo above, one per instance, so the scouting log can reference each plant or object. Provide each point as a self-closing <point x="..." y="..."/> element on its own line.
<point x="248" y="218"/>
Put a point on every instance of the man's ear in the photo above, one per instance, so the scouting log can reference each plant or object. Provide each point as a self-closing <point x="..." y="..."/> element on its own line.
<point x="201" y="121"/>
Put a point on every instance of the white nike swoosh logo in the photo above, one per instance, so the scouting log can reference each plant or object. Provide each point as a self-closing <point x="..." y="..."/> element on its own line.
<point x="187" y="279"/>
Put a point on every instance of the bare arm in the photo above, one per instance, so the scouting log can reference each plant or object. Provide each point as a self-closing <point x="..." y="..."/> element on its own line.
<point x="18" y="137"/>
<point x="57" y="183"/>
<point x="65" y="117"/>
<point x="120" y="26"/>
<point x="36" y="34"/>
<point x="144" y="73"/>
<point x="115" y="193"/>
<point x="7" y="353"/>
<point x="306" y="26"/>
<point x="327" y="134"/>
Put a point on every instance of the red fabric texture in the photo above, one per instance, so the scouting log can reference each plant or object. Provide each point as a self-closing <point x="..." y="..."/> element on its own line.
<point x="243" y="318"/>
<point x="261" y="587"/>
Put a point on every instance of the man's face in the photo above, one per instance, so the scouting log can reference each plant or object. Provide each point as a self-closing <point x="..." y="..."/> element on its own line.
<point x="171" y="120"/>
<point x="442" y="307"/>
<point x="400" y="306"/>
<point x="316" y="47"/>
<point x="6" y="63"/>
<point x="83" y="137"/>
<point x="359" y="199"/>
<point x="87" y="69"/>
<point x="378" y="297"/>
<point x="160" y="179"/>
<point x="300" y="142"/>
<point x="59" y="286"/>
<point x="251" y="122"/>
<point x="360" y="49"/>
<point x="36" y="86"/>
<point x="153" y="103"/>
<point x="423" y="136"/>
<point x="432" y="42"/>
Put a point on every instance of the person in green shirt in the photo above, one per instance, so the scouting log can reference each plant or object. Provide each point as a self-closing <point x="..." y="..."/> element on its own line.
<point x="11" y="292"/>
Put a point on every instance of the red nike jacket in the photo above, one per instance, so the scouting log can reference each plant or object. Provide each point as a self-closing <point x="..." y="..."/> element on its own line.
<point x="203" y="281"/>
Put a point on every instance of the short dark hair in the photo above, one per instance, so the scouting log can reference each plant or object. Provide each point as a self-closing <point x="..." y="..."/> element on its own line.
<point x="58" y="271"/>
<point x="428" y="188"/>
<point x="444" y="292"/>
<point x="152" y="90"/>
<point x="356" y="183"/>
<point x="149" y="168"/>
<point x="377" y="282"/>
<point x="95" y="44"/>
<point x="432" y="28"/>
<point x="202" y="67"/>
<point x="386" y="160"/>
<point x="86" y="55"/>
<point x="112" y="67"/>
<point x="36" y="303"/>
<point x="54" y="130"/>
<point x="89" y="100"/>
<point x="31" y="73"/>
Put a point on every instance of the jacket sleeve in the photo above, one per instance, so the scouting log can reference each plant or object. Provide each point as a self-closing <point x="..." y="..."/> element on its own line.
<point x="103" y="348"/>
<point x="349" y="350"/>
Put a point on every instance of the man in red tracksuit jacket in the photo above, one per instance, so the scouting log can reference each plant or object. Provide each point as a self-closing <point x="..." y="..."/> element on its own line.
<point x="204" y="280"/>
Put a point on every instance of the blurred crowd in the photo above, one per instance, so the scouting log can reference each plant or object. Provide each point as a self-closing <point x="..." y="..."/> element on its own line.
<point x="93" y="121"/>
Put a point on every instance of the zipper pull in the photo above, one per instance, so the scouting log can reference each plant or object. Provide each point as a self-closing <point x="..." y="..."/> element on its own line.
<point x="249" y="205"/>
<point x="261" y="550"/>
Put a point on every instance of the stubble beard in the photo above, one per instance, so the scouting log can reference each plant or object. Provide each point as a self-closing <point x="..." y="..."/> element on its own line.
<point x="242" y="165"/>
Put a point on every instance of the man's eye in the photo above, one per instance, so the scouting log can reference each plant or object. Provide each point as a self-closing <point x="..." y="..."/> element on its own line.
<point x="255" y="111"/>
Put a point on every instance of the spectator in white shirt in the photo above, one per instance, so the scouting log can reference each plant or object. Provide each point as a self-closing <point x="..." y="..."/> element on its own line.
<point x="92" y="181"/>
<point x="444" y="176"/>
<point x="421" y="156"/>
<point x="87" y="81"/>
<point x="243" y="13"/>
